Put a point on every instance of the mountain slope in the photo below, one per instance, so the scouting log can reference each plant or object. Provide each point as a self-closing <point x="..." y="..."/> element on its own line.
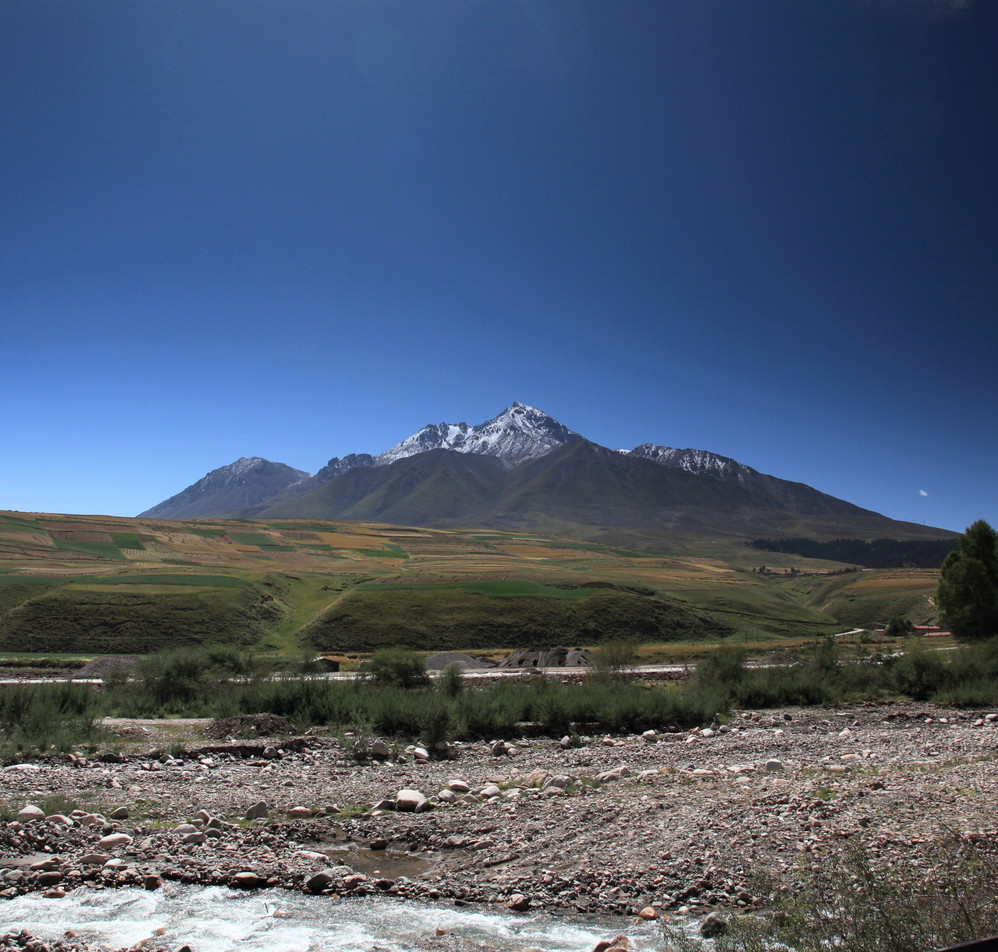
<point x="246" y="482"/>
<point x="585" y="491"/>
<point x="436" y="487"/>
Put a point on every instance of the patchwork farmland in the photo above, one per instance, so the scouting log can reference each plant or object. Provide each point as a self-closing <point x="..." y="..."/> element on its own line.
<point x="104" y="584"/>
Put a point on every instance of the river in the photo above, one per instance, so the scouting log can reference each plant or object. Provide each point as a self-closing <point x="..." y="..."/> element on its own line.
<point x="216" y="919"/>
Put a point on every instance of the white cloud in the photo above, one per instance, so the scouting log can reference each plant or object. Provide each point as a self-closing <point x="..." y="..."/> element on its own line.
<point x="922" y="492"/>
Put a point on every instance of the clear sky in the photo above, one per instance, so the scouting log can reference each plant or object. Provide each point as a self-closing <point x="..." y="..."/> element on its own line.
<point x="303" y="228"/>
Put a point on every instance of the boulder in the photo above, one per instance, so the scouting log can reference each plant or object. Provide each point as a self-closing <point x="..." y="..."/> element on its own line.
<point x="113" y="841"/>
<point x="30" y="814"/>
<point x="411" y="801"/>
<point x="714" y="925"/>
<point x="249" y="880"/>
<point x="317" y="882"/>
<point x="259" y="811"/>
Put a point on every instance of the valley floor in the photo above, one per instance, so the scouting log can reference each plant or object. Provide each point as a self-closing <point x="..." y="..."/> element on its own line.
<point x="681" y="823"/>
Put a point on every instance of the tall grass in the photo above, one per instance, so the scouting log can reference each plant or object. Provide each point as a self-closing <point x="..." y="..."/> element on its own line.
<point x="223" y="682"/>
<point x="40" y="717"/>
<point x="853" y="901"/>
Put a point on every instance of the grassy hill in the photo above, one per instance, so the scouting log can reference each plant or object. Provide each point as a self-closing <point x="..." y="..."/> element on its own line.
<point x="96" y="584"/>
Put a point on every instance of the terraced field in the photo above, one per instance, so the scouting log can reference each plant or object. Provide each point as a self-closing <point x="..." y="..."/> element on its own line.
<point x="103" y="584"/>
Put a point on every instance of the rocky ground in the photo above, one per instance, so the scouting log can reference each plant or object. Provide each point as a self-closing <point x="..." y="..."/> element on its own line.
<point x="676" y="822"/>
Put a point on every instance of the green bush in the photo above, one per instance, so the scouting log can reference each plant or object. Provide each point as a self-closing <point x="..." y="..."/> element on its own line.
<point x="920" y="673"/>
<point x="398" y="667"/>
<point x="451" y="680"/>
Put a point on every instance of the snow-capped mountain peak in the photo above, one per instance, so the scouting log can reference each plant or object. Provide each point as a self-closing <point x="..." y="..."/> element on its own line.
<point x="518" y="433"/>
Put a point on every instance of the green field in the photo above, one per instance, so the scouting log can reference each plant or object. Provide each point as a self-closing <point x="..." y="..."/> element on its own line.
<point x="290" y="585"/>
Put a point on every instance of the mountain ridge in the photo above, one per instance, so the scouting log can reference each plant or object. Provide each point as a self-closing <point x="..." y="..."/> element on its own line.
<point x="524" y="469"/>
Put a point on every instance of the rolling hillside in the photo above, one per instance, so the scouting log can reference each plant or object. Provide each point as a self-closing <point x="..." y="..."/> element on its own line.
<point x="96" y="584"/>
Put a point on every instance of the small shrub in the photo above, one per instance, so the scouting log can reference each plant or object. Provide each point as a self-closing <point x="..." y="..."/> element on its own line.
<point x="398" y="667"/>
<point x="451" y="681"/>
<point x="919" y="672"/>
<point x="724" y="667"/>
<point x="614" y="660"/>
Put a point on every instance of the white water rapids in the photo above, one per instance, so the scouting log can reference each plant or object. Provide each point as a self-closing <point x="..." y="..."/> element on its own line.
<point x="215" y="919"/>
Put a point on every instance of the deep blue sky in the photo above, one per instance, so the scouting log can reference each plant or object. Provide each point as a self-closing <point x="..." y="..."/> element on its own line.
<point x="303" y="228"/>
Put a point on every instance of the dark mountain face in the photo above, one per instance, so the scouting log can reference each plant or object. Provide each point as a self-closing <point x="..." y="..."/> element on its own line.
<point x="577" y="488"/>
<point x="524" y="470"/>
<point x="246" y="482"/>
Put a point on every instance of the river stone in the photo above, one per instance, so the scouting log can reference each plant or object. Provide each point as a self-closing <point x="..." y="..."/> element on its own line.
<point x="249" y="880"/>
<point x="714" y="925"/>
<point x="299" y="813"/>
<point x="320" y="880"/>
<point x="259" y="811"/>
<point x="30" y="814"/>
<point x="459" y="786"/>
<point x="93" y="859"/>
<point x="518" y="903"/>
<point x="60" y="819"/>
<point x="113" y="840"/>
<point x="380" y="749"/>
<point x="535" y="778"/>
<point x="411" y="801"/>
<point x="120" y="814"/>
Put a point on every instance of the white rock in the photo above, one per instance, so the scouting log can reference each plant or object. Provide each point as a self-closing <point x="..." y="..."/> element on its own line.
<point x="411" y="801"/>
<point x="113" y="840"/>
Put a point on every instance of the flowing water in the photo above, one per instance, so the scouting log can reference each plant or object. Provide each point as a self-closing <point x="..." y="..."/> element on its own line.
<point x="215" y="919"/>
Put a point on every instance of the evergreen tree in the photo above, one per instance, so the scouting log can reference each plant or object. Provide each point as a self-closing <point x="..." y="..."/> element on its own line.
<point x="968" y="585"/>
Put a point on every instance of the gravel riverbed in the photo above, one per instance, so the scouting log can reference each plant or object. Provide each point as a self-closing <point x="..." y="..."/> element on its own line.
<point x="673" y="823"/>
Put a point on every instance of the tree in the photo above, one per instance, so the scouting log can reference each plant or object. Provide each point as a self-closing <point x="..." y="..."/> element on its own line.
<point x="899" y="627"/>
<point x="968" y="585"/>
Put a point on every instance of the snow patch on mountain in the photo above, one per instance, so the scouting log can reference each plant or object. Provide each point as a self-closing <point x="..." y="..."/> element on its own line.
<point x="518" y="433"/>
<point x="699" y="462"/>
